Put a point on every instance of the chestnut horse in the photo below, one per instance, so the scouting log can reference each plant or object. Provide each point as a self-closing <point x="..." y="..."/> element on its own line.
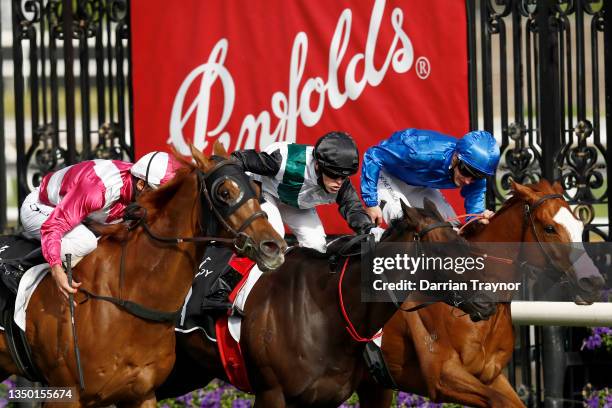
<point x="450" y="359"/>
<point x="295" y="340"/>
<point x="125" y="357"/>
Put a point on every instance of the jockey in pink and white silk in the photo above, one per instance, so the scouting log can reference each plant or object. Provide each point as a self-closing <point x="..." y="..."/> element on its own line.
<point x="95" y="190"/>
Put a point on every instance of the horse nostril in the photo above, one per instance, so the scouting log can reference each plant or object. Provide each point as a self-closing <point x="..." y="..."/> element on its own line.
<point x="270" y="248"/>
<point x="591" y="284"/>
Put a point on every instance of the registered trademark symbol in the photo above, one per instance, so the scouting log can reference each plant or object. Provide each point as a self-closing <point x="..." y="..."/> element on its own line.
<point x="422" y="67"/>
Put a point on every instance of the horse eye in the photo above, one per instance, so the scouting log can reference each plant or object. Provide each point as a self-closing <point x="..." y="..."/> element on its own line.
<point x="549" y="229"/>
<point x="224" y="194"/>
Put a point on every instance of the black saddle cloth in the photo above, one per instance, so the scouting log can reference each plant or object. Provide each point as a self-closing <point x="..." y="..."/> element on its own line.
<point x="17" y="255"/>
<point x="212" y="284"/>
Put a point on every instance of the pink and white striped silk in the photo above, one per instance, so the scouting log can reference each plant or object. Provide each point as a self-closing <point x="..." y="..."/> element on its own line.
<point x="98" y="190"/>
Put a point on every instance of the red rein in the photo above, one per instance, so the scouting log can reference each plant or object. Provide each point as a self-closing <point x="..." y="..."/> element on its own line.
<point x="349" y="325"/>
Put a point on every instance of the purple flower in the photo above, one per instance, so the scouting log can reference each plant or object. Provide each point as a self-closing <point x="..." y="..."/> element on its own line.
<point x="593" y="401"/>
<point x="592" y="342"/>
<point x="602" y="330"/>
<point x="212" y="399"/>
<point x="241" y="403"/>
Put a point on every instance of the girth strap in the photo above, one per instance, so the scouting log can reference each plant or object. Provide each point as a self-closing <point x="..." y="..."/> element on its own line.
<point x="136" y="309"/>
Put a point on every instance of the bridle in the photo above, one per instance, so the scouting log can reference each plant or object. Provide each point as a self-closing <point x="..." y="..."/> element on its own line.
<point x="224" y="170"/>
<point x="528" y="221"/>
<point x="529" y="224"/>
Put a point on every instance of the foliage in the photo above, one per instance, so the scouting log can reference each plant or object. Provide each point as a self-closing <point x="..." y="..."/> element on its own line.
<point x="220" y="395"/>
<point x="601" y="337"/>
<point x="597" y="398"/>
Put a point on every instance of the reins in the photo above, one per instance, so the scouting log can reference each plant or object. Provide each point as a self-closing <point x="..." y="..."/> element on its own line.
<point x="528" y="221"/>
<point x="417" y="237"/>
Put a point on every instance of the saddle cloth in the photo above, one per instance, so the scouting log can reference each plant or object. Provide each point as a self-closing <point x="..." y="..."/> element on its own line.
<point x="22" y="267"/>
<point x="225" y="330"/>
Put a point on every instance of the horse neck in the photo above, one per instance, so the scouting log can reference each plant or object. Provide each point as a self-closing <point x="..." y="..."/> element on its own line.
<point x="160" y="271"/>
<point x="503" y="226"/>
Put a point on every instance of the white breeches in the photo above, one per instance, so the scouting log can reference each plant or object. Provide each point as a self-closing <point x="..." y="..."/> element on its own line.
<point x="305" y="224"/>
<point x="392" y="190"/>
<point x="78" y="242"/>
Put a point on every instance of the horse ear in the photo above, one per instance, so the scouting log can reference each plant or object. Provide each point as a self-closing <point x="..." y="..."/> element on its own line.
<point x="410" y="214"/>
<point x="430" y="206"/>
<point x="219" y="150"/>
<point x="558" y="188"/>
<point x="524" y="192"/>
<point x="179" y="157"/>
<point x="202" y="161"/>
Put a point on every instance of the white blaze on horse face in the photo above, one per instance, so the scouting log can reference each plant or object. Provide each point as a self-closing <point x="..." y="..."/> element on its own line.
<point x="573" y="226"/>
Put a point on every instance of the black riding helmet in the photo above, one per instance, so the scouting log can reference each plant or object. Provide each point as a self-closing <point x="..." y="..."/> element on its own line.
<point x="337" y="154"/>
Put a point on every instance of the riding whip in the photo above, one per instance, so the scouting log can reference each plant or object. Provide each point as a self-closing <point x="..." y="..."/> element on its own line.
<point x="77" y="354"/>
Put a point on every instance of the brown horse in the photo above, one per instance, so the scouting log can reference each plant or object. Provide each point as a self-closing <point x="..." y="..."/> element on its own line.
<point x="124" y="357"/>
<point x="294" y="338"/>
<point x="452" y="359"/>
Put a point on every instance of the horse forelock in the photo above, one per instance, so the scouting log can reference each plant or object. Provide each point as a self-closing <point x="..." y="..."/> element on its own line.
<point x="543" y="186"/>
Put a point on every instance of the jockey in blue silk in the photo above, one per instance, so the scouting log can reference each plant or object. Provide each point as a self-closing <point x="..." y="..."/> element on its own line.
<point x="413" y="164"/>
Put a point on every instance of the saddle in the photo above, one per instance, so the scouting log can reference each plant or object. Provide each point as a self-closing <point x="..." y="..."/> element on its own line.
<point x="17" y="255"/>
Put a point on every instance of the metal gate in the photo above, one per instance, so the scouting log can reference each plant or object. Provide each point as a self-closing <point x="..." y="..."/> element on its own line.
<point x="538" y="80"/>
<point x="71" y="98"/>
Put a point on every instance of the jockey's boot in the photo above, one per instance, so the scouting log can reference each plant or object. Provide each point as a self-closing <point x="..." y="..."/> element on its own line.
<point x="218" y="300"/>
<point x="218" y="297"/>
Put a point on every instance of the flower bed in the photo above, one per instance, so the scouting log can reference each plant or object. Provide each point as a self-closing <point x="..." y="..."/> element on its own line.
<point x="220" y="395"/>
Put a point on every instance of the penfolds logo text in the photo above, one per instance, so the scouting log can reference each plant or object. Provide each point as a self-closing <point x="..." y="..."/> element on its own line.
<point x="305" y="98"/>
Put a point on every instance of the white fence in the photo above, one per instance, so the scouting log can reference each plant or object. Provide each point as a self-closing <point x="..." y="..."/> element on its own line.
<point x="561" y="314"/>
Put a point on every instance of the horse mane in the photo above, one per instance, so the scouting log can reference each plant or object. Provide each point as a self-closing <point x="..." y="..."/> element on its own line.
<point x="401" y="225"/>
<point x="151" y="200"/>
<point x="543" y="186"/>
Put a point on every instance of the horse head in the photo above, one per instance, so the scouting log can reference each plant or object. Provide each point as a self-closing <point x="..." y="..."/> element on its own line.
<point x="234" y="204"/>
<point x="427" y="225"/>
<point x="549" y="221"/>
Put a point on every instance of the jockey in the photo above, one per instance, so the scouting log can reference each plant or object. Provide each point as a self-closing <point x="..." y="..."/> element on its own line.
<point x="413" y="164"/>
<point x="93" y="190"/>
<point x="296" y="178"/>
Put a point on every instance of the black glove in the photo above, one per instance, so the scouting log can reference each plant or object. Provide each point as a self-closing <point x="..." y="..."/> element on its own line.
<point x="365" y="229"/>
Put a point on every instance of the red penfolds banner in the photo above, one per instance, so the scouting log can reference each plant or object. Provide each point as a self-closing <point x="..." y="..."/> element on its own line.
<point x="250" y="73"/>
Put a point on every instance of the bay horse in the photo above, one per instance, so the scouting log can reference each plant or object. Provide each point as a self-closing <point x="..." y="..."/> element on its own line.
<point x="294" y="338"/>
<point x="125" y="357"/>
<point x="451" y="359"/>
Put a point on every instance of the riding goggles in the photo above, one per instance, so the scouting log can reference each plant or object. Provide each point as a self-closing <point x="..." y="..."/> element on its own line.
<point x="467" y="171"/>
